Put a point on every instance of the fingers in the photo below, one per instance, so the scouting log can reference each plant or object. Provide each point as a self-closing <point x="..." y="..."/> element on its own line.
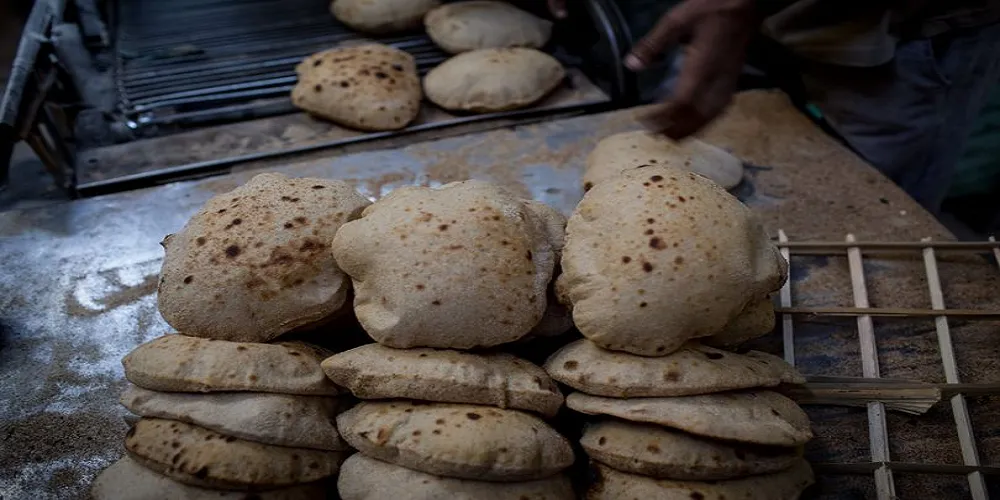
<point x="668" y="30"/>
<point x="558" y="8"/>
<point x="708" y="78"/>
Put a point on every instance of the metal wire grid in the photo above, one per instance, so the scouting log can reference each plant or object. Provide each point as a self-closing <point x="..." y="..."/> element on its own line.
<point x="196" y="54"/>
<point x="881" y="466"/>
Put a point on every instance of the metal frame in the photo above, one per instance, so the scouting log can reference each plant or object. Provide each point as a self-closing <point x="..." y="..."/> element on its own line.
<point x="881" y="465"/>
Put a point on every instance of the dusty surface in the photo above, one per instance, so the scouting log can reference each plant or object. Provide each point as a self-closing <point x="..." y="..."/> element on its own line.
<point x="76" y="288"/>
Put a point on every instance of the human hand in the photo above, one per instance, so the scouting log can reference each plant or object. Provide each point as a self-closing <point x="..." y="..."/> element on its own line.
<point x="719" y="31"/>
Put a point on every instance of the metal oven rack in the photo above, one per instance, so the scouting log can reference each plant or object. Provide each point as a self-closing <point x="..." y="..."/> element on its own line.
<point x="881" y="465"/>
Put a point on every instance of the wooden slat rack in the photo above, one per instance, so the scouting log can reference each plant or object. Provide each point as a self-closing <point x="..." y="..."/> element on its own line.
<point x="881" y="466"/>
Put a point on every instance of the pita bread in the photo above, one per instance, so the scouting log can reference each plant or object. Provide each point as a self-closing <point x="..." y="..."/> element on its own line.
<point x="658" y="256"/>
<point x="381" y="17"/>
<point x="654" y="451"/>
<point x="609" y="484"/>
<point x="127" y="480"/>
<point x="462" y="266"/>
<point x="200" y="457"/>
<point x="485" y="24"/>
<point x="363" y="478"/>
<point x="457" y="440"/>
<point x="377" y="372"/>
<point x="178" y="363"/>
<point x="367" y="87"/>
<point x="279" y="419"/>
<point x="629" y="150"/>
<point x="489" y="80"/>
<point x="758" y="417"/>
<point x="254" y="263"/>
<point x="693" y="369"/>
<point x="557" y="319"/>
<point x="755" y="321"/>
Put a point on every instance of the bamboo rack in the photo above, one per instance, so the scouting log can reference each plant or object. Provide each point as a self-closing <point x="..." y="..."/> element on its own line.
<point x="878" y="394"/>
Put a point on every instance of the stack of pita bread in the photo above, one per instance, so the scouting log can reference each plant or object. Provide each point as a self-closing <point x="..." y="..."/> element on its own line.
<point x="437" y="272"/>
<point x="658" y="260"/>
<point x="226" y="408"/>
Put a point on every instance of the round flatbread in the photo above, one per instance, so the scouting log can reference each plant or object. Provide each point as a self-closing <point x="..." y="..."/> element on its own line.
<point x="367" y="87"/>
<point x="178" y="363"/>
<point x="462" y="266"/>
<point x="280" y="419"/>
<point x="654" y="451"/>
<point x="485" y="24"/>
<point x="381" y="17"/>
<point x="658" y="256"/>
<point x="200" y="457"/>
<point x="692" y="369"/>
<point x="757" y="417"/>
<point x="638" y="149"/>
<point x="489" y="80"/>
<point x="378" y="372"/>
<point x="255" y="263"/>
<point x="127" y="480"/>
<point x="609" y="484"/>
<point x="364" y="478"/>
<point x="457" y="440"/>
<point x="756" y="320"/>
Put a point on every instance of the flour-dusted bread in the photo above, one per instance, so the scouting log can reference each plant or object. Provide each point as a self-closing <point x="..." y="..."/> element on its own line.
<point x="178" y="363"/>
<point x="280" y="419"/>
<point x="628" y="150"/>
<point x="364" y="478"/>
<point x="488" y="80"/>
<point x="381" y="17"/>
<point x="758" y="417"/>
<point x="462" y="266"/>
<point x="457" y="440"/>
<point x="658" y="256"/>
<point x="377" y="372"/>
<point x="255" y="263"/>
<point x="756" y="320"/>
<point x="654" y="451"/>
<point x="200" y="457"/>
<point x="127" y="480"/>
<point x="485" y="24"/>
<point x="692" y="369"/>
<point x="609" y="484"/>
<point x="367" y="87"/>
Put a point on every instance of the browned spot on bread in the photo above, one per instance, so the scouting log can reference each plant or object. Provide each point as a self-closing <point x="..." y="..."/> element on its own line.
<point x="643" y="304"/>
<point x="587" y="186"/>
<point x="436" y="302"/>
<point x="648" y="232"/>
<point x="420" y="286"/>
<point x="697" y="496"/>
<point x="439" y="421"/>
<point x="253" y="378"/>
<point x="443" y="227"/>
<point x="241" y="348"/>
<point x="417" y="432"/>
<point x="200" y="240"/>
<point x="188" y="280"/>
<point x="570" y="365"/>
<point x="232" y="251"/>
<point x="317" y="186"/>
<point x="646" y="266"/>
<point x="657" y="243"/>
<point x="714" y="355"/>
<point x="653" y="448"/>
<point x="626" y="259"/>
<point x="473" y="416"/>
<point x="655" y="178"/>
